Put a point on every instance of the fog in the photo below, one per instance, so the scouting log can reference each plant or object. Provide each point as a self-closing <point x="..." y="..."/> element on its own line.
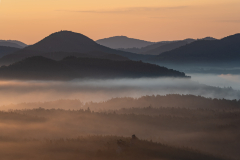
<point x="101" y="90"/>
<point x="209" y="131"/>
<point x="218" y="80"/>
<point x="204" y="124"/>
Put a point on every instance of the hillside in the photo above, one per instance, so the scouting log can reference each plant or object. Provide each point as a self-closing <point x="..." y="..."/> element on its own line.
<point x="41" y="68"/>
<point x="68" y="44"/>
<point x="7" y="50"/>
<point x="144" y="49"/>
<point x="203" y="51"/>
<point x="97" y="148"/>
<point x="160" y="47"/>
<point x="123" y="42"/>
<point x="58" y="131"/>
<point x="168" y="47"/>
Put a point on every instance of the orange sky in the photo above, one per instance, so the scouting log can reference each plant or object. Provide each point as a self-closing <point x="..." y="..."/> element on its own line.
<point x="153" y="20"/>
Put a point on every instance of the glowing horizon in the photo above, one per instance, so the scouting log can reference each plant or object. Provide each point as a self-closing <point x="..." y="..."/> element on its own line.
<point x="153" y="20"/>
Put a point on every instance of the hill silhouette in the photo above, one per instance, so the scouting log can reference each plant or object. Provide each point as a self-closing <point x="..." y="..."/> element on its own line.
<point x="168" y="47"/>
<point x="160" y="47"/>
<point x="204" y="51"/>
<point x="41" y="68"/>
<point x="144" y="49"/>
<point x="123" y="42"/>
<point x="68" y="44"/>
<point x="6" y="50"/>
<point x="12" y="43"/>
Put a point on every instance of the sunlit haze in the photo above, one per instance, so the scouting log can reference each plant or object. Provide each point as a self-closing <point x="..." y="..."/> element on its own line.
<point x="153" y="20"/>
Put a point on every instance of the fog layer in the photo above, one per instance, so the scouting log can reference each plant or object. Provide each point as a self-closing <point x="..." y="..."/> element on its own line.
<point x="218" y="80"/>
<point x="100" y="90"/>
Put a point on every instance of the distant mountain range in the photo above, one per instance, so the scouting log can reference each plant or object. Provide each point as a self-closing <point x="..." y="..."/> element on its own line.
<point x="65" y="43"/>
<point x="160" y="47"/>
<point x="204" y="51"/>
<point x="12" y="43"/>
<point x="41" y="68"/>
<point x="123" y="42"/>
<point x="60" y="45"/>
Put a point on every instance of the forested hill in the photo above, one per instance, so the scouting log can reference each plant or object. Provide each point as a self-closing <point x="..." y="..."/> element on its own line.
<point x="41" y="68"/>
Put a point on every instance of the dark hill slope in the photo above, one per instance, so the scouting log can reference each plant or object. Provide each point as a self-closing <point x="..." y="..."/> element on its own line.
<point x="40" y="68"/>
<point x="6" y="50"/>
<point x="168" y="47"/>
<point x="22" y="54"/>
<point x="164" y="46"/>
<point x="202" y="51"/>
<point x="144" y="49"/>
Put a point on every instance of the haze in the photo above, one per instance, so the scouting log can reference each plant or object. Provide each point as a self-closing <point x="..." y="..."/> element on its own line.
<point x="14" y="92"/>
<point x="152" y="20"/>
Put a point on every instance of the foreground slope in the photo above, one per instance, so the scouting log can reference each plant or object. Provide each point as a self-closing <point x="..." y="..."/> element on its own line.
<point x="97" y="148"/>
<point x="71" y="67"/>
<point x="209" y="131"/>
<point x="68" y="44"/>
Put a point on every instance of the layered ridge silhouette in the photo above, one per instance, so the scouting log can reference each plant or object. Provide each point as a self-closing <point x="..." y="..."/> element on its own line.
<point x="164" y="46"/>
<point x="204" y="51"/>
<point x="65" y="43"/>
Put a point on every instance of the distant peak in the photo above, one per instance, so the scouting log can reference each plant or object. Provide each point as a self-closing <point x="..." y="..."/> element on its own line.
<point x="208" y="38"/>
<point x="65" y="41"/>
<point x="117" y="37"/>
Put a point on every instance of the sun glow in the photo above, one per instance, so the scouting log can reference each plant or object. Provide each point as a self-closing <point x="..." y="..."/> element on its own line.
<point x="151" y="20"/>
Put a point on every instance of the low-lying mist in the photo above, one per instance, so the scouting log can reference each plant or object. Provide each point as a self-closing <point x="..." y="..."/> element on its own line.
<point x="209" y="131"/>
<point x="101" y="90"/>
<point x="218" y="80"/>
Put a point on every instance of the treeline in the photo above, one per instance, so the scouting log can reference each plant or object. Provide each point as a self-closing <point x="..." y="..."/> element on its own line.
<point x="171" y="100"/>
<point x="213" y="131"/>
<point x="158" y="101"/>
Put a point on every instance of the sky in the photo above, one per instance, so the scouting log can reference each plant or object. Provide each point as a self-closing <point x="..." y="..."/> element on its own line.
<point x="154" y="20"/>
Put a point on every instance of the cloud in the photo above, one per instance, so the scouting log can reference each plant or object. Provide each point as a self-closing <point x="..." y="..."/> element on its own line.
<point x="127" y="10"/>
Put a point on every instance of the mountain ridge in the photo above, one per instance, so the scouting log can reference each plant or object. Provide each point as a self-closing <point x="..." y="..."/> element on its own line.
<point x="204" y="51"/>
<point x="65" y="42"/>
<point x="123" y="42"/>
<point x="163" y="46"/>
